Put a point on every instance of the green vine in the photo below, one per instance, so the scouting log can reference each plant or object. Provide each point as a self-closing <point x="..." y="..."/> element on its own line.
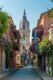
<point x="8" y="46"/>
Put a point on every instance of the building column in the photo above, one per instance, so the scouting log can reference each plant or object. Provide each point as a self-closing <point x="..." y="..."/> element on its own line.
<point x="3" y="60"/>
<point x="0" y="61"/>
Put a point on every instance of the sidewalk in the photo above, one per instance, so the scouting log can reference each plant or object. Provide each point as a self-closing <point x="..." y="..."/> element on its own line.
<point x="3" y="74"/>
<point x="6" y="73"/>
<point x="44" y="76"/>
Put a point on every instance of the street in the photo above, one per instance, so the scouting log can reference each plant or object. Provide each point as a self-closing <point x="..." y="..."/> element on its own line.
<point x="25" y="73"/>
<point x="26" y="40"/>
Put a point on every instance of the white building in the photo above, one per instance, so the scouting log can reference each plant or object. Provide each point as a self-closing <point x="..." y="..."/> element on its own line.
<point x="51" y="35"/>
<point x="24" y="31"/>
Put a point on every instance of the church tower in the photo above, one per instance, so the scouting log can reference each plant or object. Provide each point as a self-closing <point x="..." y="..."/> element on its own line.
<point x="24" y="31"/>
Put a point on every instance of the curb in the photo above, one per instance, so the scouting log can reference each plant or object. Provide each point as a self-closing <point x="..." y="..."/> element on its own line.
<point x="10" y="72"/>
<point x="39" y="75"/>
<point x="5" y="76"/>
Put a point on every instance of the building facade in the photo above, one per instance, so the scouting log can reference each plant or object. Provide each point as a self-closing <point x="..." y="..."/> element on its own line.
<point x="24" y="31"/>
<point x="14" y="36"/>
<point x="44" y="25"/>
<point x="45" y="22"/>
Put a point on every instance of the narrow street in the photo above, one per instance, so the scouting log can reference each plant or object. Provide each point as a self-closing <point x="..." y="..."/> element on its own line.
<point x="25" y="73"/>
<point x="26" y="40"/>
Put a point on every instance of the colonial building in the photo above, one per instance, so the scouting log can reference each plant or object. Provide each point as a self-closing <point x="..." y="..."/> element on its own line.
<point x="24" y="31"/>
<point x="13" y="35"/>
<point x="44" y="27"/>
<point x="45" y="22"/>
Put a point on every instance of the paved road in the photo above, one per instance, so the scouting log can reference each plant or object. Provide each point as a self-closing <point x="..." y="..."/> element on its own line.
<point x="25" y="73"/>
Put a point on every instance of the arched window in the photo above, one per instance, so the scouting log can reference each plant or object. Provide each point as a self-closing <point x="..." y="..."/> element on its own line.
<point x="23" y="27"/>
<point x="24" y="37"/>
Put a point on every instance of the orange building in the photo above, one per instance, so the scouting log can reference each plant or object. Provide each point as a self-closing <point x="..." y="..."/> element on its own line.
<point x="45" y="22"/>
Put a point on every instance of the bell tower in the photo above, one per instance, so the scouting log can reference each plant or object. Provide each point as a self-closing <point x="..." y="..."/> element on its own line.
<point x="24" y="28"/>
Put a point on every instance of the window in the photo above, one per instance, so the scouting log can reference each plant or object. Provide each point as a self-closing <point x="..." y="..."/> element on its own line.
<point x="24" y="37"/>
<point x="23" y="27"/>
<point x="52" y="24"/>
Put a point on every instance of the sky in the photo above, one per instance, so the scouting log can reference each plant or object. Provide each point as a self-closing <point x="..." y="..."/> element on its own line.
<point x="34" y="8"/>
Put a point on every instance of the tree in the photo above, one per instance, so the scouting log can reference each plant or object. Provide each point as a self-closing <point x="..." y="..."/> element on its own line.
<point x="8" y="47"/>
<point x="46" y="47"/>
<point x="51" y="0"/>
<point x="3" y="22"/>
<point x="50" y="13"/>
<point x="41" y="48"/>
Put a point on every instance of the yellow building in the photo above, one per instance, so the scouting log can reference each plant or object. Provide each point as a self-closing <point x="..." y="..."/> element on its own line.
<point x="18" y="59"/>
